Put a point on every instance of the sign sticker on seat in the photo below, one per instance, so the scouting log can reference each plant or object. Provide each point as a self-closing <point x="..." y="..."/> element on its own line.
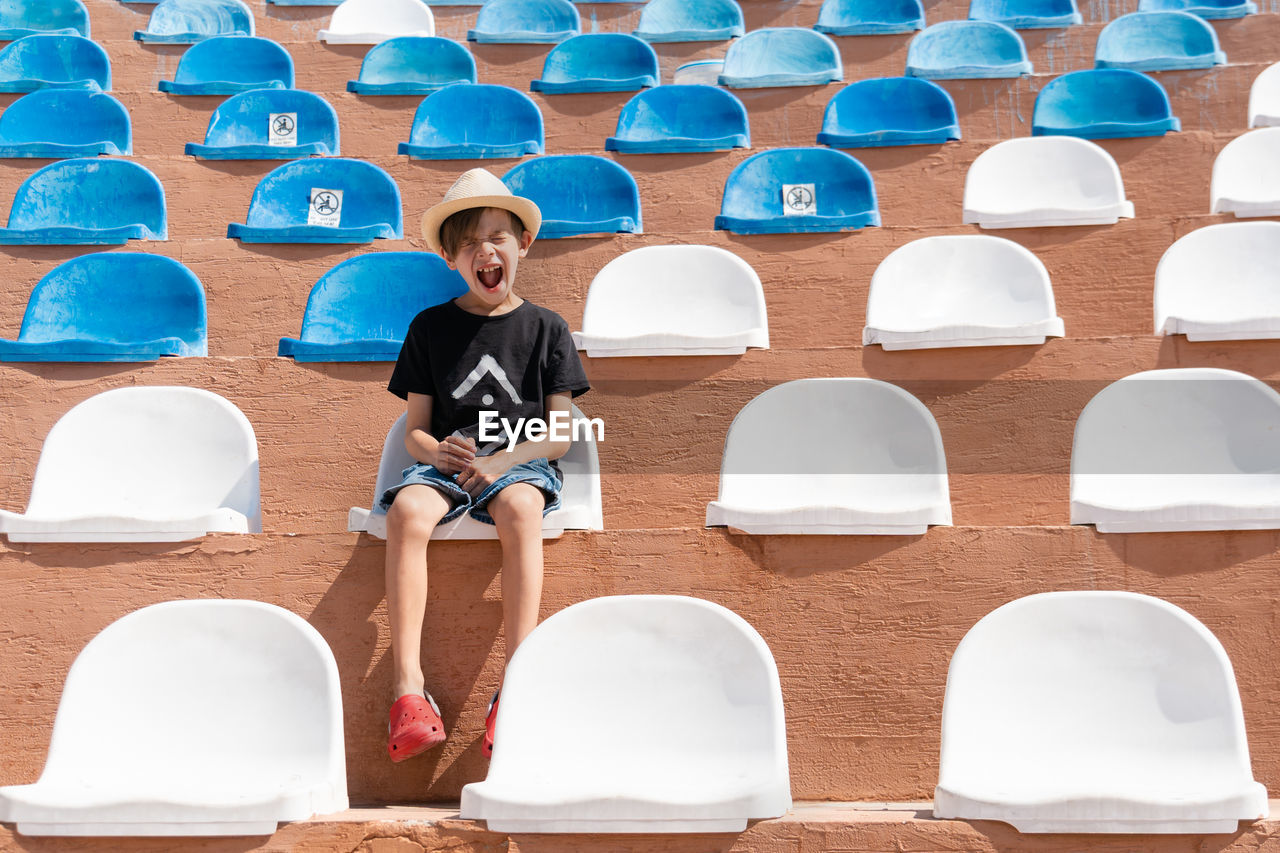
<point x="326" y="207"/>
<point x="282" y="129"/>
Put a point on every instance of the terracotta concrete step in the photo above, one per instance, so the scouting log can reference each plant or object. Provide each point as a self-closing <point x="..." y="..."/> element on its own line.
<point x="810" y="827"/>
<point x="1165" y="178"/>
<point x="1006" y="417"/>
<point x="989" y="111"/>
<point x="1057" y="50"/>
<point x="862" y="628"/>
<point x="815" y="285"/>
<point x="323" y="67"/>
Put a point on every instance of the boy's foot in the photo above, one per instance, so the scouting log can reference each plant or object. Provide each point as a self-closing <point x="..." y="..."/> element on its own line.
<point x="486" y="746"/>
<point x="415" y="726"/>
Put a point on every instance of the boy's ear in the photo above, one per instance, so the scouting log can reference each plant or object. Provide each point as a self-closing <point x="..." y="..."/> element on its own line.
<point x="448" y="261"/>
<point x="526" y="240"/>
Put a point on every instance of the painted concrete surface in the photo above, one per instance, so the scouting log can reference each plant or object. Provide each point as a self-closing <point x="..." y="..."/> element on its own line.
<point x="807" y="828"/>
<point x="862" y="627"/>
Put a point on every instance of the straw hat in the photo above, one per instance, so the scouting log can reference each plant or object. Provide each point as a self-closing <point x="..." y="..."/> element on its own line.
<point x="478" y="188"/>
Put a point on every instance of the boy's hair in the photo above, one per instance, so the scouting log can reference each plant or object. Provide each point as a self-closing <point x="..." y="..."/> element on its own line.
<point x="462" y="225"/>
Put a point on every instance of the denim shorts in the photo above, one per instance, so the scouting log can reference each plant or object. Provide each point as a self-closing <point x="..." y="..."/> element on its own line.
<point x="538" y="472"/>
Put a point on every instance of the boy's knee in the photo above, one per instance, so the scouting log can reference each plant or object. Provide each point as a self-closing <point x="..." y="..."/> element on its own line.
<point x="415" y="512"/>
<point x="518" y="503"/>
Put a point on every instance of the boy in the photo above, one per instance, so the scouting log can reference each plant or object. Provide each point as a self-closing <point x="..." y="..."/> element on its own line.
<point x="486" y="351"/>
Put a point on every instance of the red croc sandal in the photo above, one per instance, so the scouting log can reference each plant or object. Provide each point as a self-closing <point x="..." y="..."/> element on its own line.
<point x="415" y="726"/>
<point x="486" y="746"/>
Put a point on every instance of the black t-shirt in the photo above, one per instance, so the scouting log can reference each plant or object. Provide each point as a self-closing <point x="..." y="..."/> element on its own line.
<point x="468" y="363"/>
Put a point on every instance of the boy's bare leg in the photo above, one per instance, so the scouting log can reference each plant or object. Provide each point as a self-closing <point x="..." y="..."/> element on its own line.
<point x="517" y="509"/>
<point x="414" y="514"/>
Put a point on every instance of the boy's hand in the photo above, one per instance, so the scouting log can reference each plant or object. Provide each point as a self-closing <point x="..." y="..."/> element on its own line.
<point x="454" y="454"/>
<point x="483" y="472"/>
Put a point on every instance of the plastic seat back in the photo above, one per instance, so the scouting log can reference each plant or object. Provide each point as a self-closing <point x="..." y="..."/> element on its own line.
<point x="1218" y="283"/>
<point x="324" y="200"/>
<point x="598" y="62"/>
<point x="190" y="21"/>
<point x="20" y="18"/>
<point x="257" y="683"/>
<point x="413" y="65"/>
<point x="671" y="119"/>
<point x="143" y="464"/>
<point x="1103" y="103"/>
<point x="1246" y="175"/>
<point x="964" y="290"/>
<point x="1179" y="449"/>
<point x="374" y="21"/>
<point x="1210" y="10"/>
<point x="270" y="124"/>
<point x="1115" y="712"/>
<point x="889" y="111"/>
<point x="58" y="123"/>
<point x="629" y="304"/>
<point x="1044" y="181"/>
<point x="578" y="194"/>
<point x="582" y="685"/>
<point x="474" y="121"/>
<point x="88" y="201"/>
<point x="227" y="65"/>
<point x="1158" y="41"/>
<point x="64" y="62"/>
<point x="886" y="475"/>
<point x="792" y="190"/>
<point x="361" y="309"/>
<point x="962" y="50"/>
<point x="1026" y="14"/>
<point x="581" y="503"/>
<point x="112" y="306"/>
<point x="781" y="56"/>
<point x="1264" y="98"/>
<point x="869" y="17"/>
<point x="525" y="22"/>
<point x="690" y="20"/>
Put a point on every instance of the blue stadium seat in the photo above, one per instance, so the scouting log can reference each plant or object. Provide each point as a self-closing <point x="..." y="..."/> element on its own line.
<point x="49" y="61"/>
<point x="469" y="121"/>
<point x="690" y="20"/>
<point x="869" y="17"/>
<point x="87" y="202"/>
<point x="781" y="56"/>
<point x="1158" y="41"/>
<point x="793" y="190"/>
<point x="413" y="65"/>
<point x="681" y="119"/>
<point x="112" y="306"/>
<point x="190" y="21"/>
<point x="360" y="310"/>
<point x="1026" y="14"/>
<point x="58" y="123"/>
<point x="228" y="65"/>
<point x="1210" y="10"/>
<point x="269" y="124"/>
<point x="963" y="50"/>
<point x="295" y="202"/>
<point x="889" y="111"/>
<point x="525" y="22"/>
<point x="1103" y="103"/>
<point x="598" y="62"/>
<point x="578" y="194"/>
<point x="19" y="18"/>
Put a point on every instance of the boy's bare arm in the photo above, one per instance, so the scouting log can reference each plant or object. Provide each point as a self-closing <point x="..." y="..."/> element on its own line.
<point x="449" y="456"/>
<point x="483" y="471"/>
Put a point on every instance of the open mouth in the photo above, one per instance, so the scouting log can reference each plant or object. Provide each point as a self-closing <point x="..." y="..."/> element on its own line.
<point x="490" y="277"/>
